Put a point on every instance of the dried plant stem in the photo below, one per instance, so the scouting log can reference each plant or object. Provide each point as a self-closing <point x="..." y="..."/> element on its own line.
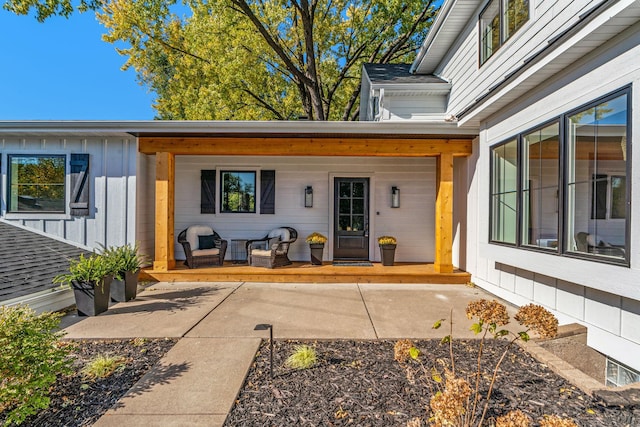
<point x="453" y="363"/>
<point x="494" y="377"/>
<point x="476" y="394"/>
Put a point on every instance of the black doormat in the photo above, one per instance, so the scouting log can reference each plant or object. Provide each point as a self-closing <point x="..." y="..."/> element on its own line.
<point x="352" y="264"/>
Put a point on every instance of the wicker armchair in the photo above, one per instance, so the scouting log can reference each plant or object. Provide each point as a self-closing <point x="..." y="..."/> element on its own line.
<point x="272" y="250"/>
<point x="213" y="251"/>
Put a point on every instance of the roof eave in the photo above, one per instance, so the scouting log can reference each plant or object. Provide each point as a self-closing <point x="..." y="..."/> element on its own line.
<point x="229" y="127"/>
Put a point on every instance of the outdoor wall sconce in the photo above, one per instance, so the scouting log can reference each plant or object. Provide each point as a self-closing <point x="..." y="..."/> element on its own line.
<point x="308" y="197"/>
<point x="395" y="197"/>
<point x="264" y="327"/>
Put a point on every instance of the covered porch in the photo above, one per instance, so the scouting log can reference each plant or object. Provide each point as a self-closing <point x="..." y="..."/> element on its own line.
<point x="442" y="143"/>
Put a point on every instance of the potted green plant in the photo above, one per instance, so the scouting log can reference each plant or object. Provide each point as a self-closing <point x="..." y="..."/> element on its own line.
<point x="125" y="262"/>
<point x="316" y="243"/>
<point x="387" y="249"/>
<point x="90" y="278"/>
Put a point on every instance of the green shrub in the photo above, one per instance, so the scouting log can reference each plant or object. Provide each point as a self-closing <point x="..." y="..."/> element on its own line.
<point x="31" y="358"/>
<point x="303" y="357"/>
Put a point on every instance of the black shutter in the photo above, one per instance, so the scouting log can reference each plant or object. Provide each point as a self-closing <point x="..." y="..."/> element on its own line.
<point x="79" y="203"/>
<point x="599" y="196"/>
<point x="208" y="191"/>
<point x="268" y="192"/>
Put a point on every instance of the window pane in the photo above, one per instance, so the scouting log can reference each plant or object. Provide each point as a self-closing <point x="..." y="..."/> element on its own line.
<point x="238" y="192"/>
<point x="489" y="30"/>
<point x="540" y="177"/>
<point x="345" y="206"/>
<point x="37" y="183"/>
<point x="345" y="189"/>
<point x="504" y="197"/>
<point x="358" y="206"/>
<point x="597" y="148"/>
<point x="345" y="222"/>
<point x="358" y="189"/>
<point x="357" y="223"/>
<point x="516" y="13"/>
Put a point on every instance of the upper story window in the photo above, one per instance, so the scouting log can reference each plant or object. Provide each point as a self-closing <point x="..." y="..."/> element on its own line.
<point x="36" y="183"/>
<point x="238" y="191"/>
<point x="563" y="186"/>
<point x="499" y="20"/>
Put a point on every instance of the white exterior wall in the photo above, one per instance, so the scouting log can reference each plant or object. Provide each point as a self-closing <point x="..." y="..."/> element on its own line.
<point x="605" y="298"/>
<point x="112" y="218"/>
<point x="548" y="18"/>
<point x="413" y="107"/>
<point x="412" y="223"/>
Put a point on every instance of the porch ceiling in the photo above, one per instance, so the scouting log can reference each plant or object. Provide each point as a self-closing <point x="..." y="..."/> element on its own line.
<point x="287" y="145"/>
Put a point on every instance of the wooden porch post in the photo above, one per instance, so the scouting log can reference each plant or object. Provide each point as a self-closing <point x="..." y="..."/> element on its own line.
<point x="165" y="203"/>
<point x="444" y="214"/>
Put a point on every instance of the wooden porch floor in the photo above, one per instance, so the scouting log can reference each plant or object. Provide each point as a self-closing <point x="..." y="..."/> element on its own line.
<point x="303" y="272"/>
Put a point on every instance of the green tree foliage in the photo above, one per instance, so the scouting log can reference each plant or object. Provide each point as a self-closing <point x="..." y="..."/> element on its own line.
<point x="255" y="59"/>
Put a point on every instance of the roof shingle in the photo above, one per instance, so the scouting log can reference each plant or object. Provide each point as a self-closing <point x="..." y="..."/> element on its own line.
<point x="29" y="261"/>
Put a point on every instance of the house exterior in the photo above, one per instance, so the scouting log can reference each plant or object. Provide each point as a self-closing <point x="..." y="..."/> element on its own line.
<point x="551" y="191"/>
<point x="509" y="141"/>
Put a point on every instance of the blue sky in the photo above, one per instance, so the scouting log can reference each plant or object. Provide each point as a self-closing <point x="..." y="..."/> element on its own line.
<point x="62" y="70"/>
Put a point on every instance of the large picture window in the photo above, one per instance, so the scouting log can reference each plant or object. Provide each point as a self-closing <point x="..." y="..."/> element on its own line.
<point x="36" y="183"/>
<point x="585" y="195"/>
<point x="498" y="22"/>
<point x="597" y="146"/>
<point x="504" y="172"/>
<point x="540" y="179"/>
<point x="238" y="191"/>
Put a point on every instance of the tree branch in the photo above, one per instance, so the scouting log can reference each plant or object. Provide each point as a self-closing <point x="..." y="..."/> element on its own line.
<point x="264" y="103"/>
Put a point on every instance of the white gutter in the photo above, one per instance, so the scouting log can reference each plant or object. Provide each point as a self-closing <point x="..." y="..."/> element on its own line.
<point x="229" y="127"/>
<point x="54" y="299"/>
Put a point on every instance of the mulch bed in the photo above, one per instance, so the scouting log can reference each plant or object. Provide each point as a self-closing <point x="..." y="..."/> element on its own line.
<point x="76" y="401"/>
<point x="358" y="383"/>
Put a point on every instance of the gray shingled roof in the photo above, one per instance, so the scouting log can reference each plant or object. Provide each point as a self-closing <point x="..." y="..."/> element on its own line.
<point x="29" y="261"/>
<point x="397" y="73"/>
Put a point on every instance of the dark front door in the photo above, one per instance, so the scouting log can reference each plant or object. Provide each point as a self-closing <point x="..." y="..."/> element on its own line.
<point x="351" y="220"/>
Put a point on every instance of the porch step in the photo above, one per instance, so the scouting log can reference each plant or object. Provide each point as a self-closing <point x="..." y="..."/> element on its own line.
<point x="300" y="272"/>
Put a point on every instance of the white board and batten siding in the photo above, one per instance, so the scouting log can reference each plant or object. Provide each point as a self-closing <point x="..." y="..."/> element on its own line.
<point x="548" y="18"/>
<point x="112" y="192"/>
<point x="412" y="223"/>
<point x="604" y="297"/>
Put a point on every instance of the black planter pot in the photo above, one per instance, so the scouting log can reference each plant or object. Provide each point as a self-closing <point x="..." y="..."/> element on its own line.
<point x="387" y="254"/>
<point x="92" y="299"/>
<point x="317" y="250"/>
<point x="125" y="289"/>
